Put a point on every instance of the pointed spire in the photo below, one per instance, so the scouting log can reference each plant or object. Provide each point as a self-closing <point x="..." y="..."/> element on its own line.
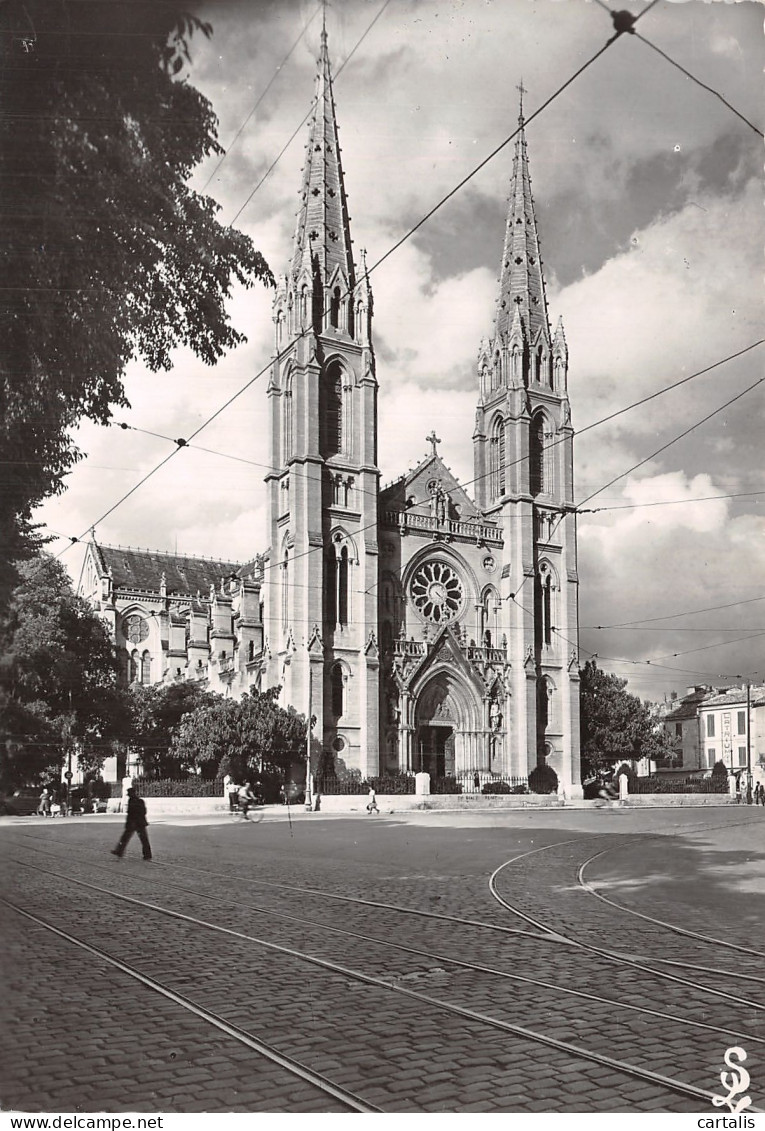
<point x="521" y="283"/>
<point x="323" y="229"/>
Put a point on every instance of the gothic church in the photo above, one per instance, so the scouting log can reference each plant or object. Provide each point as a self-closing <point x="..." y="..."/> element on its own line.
<point x="424" y="629"/>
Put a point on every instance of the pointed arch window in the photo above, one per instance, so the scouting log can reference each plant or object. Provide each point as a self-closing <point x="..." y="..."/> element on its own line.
<point x="330" y="589"/>
<point x="497" y="459"/>
<point x="287" y="422"/>
<point x="135" y="666"/>
<point x="342" y="588"/>
<point x="285" y="590"/>
<point x="146" y="669"/>
<point x="331" y="410"/>
<point x="304" y="305"/>
<point x="337" y="691"/>
<point x="337" y="574"/>
<point x="544" y="606"/>
<point x="335" y="306"/>
<point x="489" y="603"/>
<point x="537" y="472"/>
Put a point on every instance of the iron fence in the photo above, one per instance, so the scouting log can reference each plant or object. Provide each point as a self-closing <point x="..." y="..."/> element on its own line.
<point x="684" y="785"/>
<point x="330" y="785"/>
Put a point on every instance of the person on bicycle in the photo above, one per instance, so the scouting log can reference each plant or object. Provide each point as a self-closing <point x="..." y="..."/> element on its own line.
<point x="247" y="798"/>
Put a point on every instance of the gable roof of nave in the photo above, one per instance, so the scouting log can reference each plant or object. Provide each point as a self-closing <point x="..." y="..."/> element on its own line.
<point x="415" y="485"/>
<point x="133" y="569"/>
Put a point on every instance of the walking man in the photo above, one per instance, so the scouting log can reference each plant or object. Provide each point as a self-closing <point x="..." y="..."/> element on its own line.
<point x="135" y="823"/>
<point x="372" y="802"/>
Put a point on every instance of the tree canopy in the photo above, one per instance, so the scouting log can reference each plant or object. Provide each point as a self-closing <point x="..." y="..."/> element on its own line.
<point x="253" y="734"/>
<point x="156" y="712"/>
<point x="107" y="254"/>
<point x="615" y="725"/>
<point x="58" y="677"/>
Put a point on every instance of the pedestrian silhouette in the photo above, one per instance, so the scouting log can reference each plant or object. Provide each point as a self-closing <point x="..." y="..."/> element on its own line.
<point x="135" y="823"/>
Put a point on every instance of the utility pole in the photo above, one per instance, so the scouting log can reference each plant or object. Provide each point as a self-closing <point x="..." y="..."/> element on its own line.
<point x="748" y="744"/>
<point x="308" y="798"/>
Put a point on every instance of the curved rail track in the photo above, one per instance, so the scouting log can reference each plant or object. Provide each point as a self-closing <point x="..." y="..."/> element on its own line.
<point x="438" y="956"/>
<point x="541" y="933"/>
<point x="674" y="927"/>
<point x="614" y="1065"/>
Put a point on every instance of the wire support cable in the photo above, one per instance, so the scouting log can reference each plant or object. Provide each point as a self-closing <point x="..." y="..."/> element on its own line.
<point x="262" y="95"/>
<point x="698" y="82"/>
<point x="311" y="109"/>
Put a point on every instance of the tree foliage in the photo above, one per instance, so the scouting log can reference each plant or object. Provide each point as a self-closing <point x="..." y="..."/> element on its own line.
<point x="107" y="254"/>
<point x="156" y="712"/>
<point x="58" y="677"/>
<point x="254" y="735"/>
<point x="615" y="725"/>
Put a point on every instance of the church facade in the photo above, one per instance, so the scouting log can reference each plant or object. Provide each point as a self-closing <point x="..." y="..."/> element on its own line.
<point x="424" y="626"/>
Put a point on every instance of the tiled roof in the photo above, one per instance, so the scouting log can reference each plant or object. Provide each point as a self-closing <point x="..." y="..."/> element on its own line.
<point x="733" y="696"/>
<point x="143" y="569"/>
<point x="687" y="707"/>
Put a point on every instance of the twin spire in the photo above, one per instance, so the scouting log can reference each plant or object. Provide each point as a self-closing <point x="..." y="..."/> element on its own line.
<point x="522" y="288"/>
<point x="322" y="235"/>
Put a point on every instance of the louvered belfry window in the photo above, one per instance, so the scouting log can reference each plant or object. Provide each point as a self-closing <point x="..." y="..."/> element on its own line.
<point x="331" y="410"/>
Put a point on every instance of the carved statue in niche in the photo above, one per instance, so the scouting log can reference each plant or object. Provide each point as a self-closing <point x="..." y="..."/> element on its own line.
<point x="495" y="715"/>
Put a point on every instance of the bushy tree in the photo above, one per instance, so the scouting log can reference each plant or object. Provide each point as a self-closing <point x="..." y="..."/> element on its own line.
<point x="615" y="724"/>
<point x="254" y="734"/>
<point x="156" y="711"/>
<point x="106" y="252"/>
<point x="58" y="677"/>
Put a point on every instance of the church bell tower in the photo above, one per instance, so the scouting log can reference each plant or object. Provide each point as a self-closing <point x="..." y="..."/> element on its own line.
<point x="523" y="459"/>
<point x="323" y="482"/>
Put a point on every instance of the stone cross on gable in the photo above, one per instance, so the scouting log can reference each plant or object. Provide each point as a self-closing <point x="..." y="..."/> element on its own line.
<point x="433" y="439"/>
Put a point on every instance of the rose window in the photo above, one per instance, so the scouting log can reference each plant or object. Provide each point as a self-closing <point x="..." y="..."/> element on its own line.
<point x="135" y="629"/>
<point x="437" y="592"/>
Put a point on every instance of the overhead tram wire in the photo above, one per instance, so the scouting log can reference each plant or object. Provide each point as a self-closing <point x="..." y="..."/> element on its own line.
<point x="477" y="479"/>
<point x="395" y="247"/>
<point x="688" y="613"/>
<point x="390" y="251"/>
<point x="648" y="458"/>
<point x="262" y="95"/>
<point x="675" y="439"/>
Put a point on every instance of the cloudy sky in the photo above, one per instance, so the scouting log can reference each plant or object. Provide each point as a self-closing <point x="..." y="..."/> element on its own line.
<point x="648" y="194"/>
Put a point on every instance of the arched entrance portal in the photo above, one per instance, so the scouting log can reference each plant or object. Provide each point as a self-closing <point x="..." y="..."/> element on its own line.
<point x="449" y="734"/>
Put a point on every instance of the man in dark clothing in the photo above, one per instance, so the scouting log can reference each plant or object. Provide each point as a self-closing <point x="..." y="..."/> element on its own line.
<point x="136" y="823"/>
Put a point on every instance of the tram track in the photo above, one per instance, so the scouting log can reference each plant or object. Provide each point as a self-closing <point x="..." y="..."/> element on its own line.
<point x="545" y="934"/>
<point x="620" y="957"/>
<point x="674" y="927"/>
<point x="659" y="1080"/>
<point x="439" y="956"/>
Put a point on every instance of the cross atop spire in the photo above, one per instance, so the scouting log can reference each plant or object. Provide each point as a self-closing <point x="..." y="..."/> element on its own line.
<point x="522" y="90"/>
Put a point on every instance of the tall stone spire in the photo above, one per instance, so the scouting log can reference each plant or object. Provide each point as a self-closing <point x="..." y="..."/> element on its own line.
<point x="522" y="285"/>
<point x="323" y="231"/>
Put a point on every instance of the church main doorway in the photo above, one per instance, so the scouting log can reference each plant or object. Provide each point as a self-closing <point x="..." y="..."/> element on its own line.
<point x="435" y="750"/>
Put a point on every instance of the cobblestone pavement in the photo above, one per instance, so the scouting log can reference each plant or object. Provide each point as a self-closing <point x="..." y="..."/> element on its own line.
<point x="80" y="1035"/>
